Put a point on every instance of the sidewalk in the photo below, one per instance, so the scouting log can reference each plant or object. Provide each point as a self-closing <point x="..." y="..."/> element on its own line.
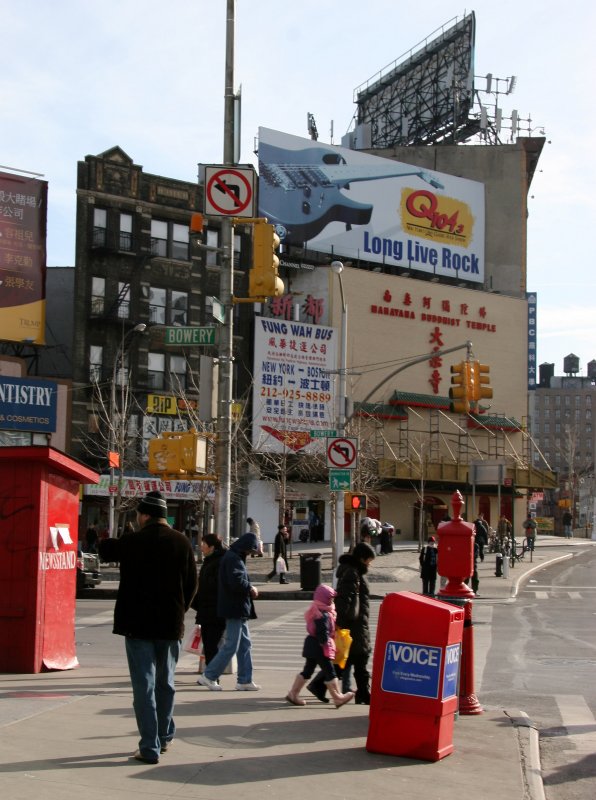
<point x="70" y="734"/>
<point x="395" y="572"/>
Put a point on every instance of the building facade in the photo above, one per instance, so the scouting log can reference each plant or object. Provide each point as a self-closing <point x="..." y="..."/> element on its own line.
<point x="138" y="274"/>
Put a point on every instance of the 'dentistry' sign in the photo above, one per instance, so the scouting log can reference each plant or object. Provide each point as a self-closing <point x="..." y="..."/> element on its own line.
<point x="28" y="404"/>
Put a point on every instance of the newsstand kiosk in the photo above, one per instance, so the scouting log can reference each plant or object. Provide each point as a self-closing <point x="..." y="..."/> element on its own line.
<point x="39" y="516"/>
<point x="414" y="691"/>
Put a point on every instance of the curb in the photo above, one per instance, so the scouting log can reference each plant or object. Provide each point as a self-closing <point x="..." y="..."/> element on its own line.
<point x="529" y="745"/>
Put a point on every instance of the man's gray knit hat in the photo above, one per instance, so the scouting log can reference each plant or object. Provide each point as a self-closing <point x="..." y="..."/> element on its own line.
<point x="153" y="504"/>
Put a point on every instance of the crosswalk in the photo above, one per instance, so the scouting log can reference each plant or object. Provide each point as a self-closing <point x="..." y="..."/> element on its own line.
<point x="277" y="643"/>
<point x="546" y="592"/>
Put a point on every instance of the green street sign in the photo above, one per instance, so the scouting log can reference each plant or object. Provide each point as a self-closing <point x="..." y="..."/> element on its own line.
<point x="340" y="480"/>
<point x="190" y="335"/>
<point x="323" y="434"/>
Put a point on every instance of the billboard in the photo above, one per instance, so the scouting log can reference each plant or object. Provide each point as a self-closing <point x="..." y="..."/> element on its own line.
<point x="293" y="392"/>
<point x="28" y="404"/>
<point x="362" y="207"/>
<point x="425" y="98"/>
<point x="23" y="218"/>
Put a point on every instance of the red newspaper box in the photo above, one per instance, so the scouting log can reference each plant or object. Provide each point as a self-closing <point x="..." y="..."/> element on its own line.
<point x="415" y="677"/>
<point x="39" y="515"/>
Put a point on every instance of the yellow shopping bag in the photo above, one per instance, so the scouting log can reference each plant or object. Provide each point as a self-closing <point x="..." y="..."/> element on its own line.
<point x="343" y="640"/>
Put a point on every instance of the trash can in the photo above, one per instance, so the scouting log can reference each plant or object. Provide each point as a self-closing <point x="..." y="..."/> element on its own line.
<point x="310" y="571"/>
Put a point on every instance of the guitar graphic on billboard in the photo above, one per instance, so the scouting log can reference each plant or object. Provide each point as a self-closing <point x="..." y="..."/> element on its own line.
<point x="302" y="191"/>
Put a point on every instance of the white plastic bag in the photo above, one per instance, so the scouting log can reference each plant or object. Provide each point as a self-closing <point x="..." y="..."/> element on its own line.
<point x="280" y="566"/>
<point x="192" y="641"/>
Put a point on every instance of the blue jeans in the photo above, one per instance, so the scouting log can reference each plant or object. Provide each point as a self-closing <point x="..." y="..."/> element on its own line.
<point x="236" y="642"/>
<point x="152" y="664"/>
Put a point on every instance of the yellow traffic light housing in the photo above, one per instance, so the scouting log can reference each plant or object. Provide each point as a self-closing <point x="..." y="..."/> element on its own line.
<point x="481" y="389"/>
<point x="263" y="277"/>
<point x="460" y="393"/>
<point x="178" y="454"/>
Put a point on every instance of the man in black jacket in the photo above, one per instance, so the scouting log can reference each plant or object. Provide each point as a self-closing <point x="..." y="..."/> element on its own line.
<point x="158" y="579"/>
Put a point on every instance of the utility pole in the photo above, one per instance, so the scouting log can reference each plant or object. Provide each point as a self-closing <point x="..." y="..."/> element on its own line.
<point x="226" y="342"/>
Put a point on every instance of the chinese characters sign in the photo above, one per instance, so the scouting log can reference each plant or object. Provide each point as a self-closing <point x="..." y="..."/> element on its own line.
<point x="23" y="215"/>
<point x="293" y="392"/>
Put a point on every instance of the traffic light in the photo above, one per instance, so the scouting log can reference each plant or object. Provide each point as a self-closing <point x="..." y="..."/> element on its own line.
<point x="481" y="389"/>
<point x="355" y="502"/>
<point x="263" y="277"/>
<point x="462" y="383"/>
<point x="178" y="454"/>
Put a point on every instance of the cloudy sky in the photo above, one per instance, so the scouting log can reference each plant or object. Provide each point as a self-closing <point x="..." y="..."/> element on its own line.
<point x="79" y="76"/>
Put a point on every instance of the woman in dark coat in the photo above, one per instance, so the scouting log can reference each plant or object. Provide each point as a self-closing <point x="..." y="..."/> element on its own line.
<point x="352" y="603"/>
<point x="205" y="600"/>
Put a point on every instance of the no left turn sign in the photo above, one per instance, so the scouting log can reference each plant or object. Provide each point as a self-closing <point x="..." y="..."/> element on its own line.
<point x="342" y="453"/>
<point x="229" y="191"/>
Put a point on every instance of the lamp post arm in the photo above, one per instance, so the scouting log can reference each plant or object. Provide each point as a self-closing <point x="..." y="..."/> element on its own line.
<point x="413" y="362"/>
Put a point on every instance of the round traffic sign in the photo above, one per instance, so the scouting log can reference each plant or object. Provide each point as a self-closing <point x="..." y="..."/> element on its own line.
<point x="229" y="191"/>
<point x="342" y="453"/>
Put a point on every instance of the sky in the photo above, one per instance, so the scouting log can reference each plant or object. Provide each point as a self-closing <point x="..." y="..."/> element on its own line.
<point x="79" y="77"/>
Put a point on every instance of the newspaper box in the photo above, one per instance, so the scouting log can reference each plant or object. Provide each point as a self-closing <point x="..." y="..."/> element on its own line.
<point x="39" y="498"/>
<point x="414" y="691"/>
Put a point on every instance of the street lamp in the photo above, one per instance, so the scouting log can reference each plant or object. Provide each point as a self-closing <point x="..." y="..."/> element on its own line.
<point x="139" y="328"/>
<point x="338" y="268"/>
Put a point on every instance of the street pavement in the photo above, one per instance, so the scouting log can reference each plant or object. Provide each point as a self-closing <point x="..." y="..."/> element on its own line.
<point x="70" y="734"/>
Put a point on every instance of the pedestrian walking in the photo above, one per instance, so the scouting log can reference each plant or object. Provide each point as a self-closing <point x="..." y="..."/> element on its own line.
<point x="254" y="527"/>
<point x="235" y="596"/>
<point x="205" y="600"/>
<point x="529" y="526"/>
<point x="428" y="567"/>
<point x="158" y="579"/>
<point x="567" y="524"/>
<point x="481" y="527"/>
<point x="319" y="648"/>
<point x="387" y="530"/>
<point x="280" y="550"/>
<point x="504" y="530"/>
<point x="352" y="603"/>
<point x="91" y="539"/>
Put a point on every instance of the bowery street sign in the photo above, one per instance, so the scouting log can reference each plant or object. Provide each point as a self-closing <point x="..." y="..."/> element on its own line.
<point x="340" y="480"/>
<point x="190" y="335"/>
<point x="322" y="434"/>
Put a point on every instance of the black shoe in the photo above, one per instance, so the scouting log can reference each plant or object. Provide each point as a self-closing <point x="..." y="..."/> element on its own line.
<point x="284" y="581"/>
<point x="138" y="756"/>
<point x="319" y="692"/>
<point x="362" y="699"/>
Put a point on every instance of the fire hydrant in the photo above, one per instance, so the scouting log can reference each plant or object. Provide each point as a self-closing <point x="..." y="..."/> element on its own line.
<point x="456" y="563"/>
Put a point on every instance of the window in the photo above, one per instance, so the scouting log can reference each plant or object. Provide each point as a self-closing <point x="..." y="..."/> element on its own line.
<point x="100" y="226"/>
<point x="547" y="427"/>
<point x="167" y="306"/>
<point x="557" y="427"/>
<point x="567" y="401"/>
<point x="547" y="402"/>
<point x="588" y="428"/>
<point x="177" y="308"/>
<point x="546" y="413"/>
<point x="157" y="305"/>
<point x="169" y="239"/>
<point x="159" y="238"/>
<point x="123" y="300"/>
<point x="95" y="362"/>
<point x="212" y="241"/>
<point x="558" y="401"/>
<point x="180" y="240"/>
<point x="177" y="372"/>
<point x="156" y="364"/>
<point x="588" y="400"/>
<point x="125" y="241"/>
<point x="98" y="295"/>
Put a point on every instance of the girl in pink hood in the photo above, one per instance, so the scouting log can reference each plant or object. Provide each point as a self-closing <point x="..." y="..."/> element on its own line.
<point x="319" y="648"/>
